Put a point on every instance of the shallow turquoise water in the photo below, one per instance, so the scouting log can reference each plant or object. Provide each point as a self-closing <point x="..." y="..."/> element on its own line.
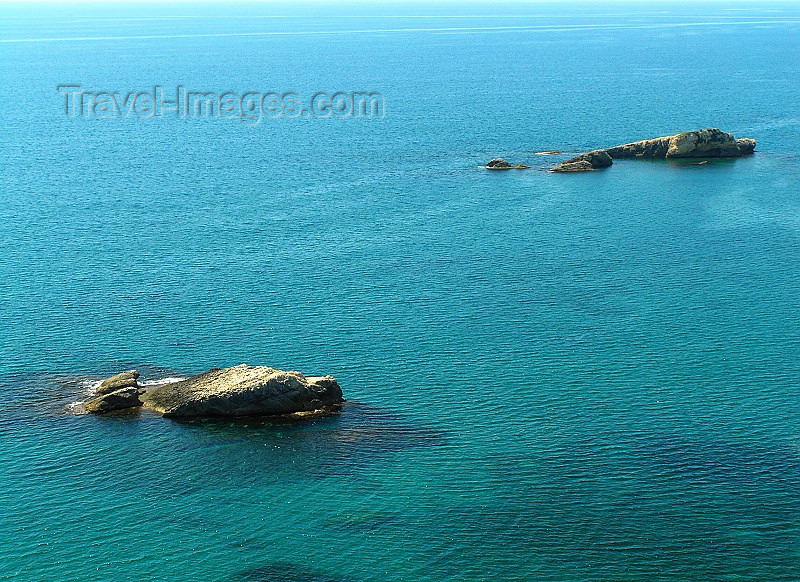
<point x="550" y="377"/>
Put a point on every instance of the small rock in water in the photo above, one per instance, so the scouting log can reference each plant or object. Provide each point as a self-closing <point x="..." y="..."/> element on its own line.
<point x="501" y="164"/>
<point x="238" y="391"/>
<point x="122" y="380"/>
<point x="116" y="393"/>
<point x="579" y="166"/>
<point x="585" y="162"/>
<point x="246" y="391"/>
<point x="704" y="143"/>
<point x="498" y="164"/>
<point x="117" y="400"/>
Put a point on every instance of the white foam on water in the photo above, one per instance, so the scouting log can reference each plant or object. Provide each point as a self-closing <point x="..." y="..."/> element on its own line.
<point x="90" y="386"/>
<point x="162" y="381"/>
<point x="87" y="390"/>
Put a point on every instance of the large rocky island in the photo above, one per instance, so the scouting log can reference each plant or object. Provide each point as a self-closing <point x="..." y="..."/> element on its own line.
<point x="238" y="391"/>
<point x="704" y="143"/>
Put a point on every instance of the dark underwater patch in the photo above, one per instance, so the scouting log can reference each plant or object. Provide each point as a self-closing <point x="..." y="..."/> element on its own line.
<point x="358" y="429"/>
<point x="285" y="572"/>
<point x="639" y="504"/>
<point x="258" y="451"/>
<point x="744" y="464"/>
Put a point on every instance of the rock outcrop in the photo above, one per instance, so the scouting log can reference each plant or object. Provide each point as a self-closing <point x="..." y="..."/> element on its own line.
<point x="117" y="400"/>
<point x="116" y="393"/>
<point x="746" y="145"/>
<point x="501" y="164"/>
<point x="576" y="166"/>
<point x="245" y="391"/>
<point x="587" y="162"/>
<point x="647" y="148"/>
<point x="705" y="143"/>
<point x="123" y="380"/>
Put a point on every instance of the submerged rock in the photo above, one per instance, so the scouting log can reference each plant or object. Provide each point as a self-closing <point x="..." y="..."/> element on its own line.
<point x="245" y="391"/>
<point x="285" y="572"/>
<point x="587" y="162"/>
<point x="704" y="143"/>
<point x="501" y="164"/>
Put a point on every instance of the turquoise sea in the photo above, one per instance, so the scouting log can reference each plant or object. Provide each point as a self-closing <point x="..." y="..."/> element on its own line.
<point x="549" y="377"/>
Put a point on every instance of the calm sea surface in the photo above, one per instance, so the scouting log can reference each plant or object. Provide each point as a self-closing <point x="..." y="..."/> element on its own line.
<point x="549" y="377"/>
